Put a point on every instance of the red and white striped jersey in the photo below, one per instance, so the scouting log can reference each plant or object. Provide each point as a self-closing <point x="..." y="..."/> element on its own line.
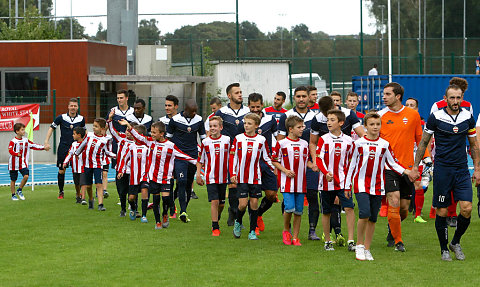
<point x="106" y="159"/>
<point x="76" y="160"/>
<point x="19" y="150"/>
<point x="161" y="156"/>
<point x="136" y="159"/>
<point x="214" y="155"/>
<point x="333" y="153"/>
<point x="293" y="155"/>
<point x="122" y="147"/>
<point x="245" y="154"/>
<point x="367" y="165"/>
<point x="95" y="148"/>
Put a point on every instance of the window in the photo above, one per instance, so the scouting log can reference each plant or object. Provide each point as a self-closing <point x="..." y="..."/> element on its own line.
<point x="25" y="85"/>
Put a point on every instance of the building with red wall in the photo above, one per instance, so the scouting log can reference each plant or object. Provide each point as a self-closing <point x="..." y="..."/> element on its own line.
<point x="31" y="70"/>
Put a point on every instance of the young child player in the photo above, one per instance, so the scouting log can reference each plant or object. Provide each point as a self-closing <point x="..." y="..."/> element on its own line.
<point x="76" y="161"/>
<point x="214" y="154"/>
<point x="19" y="149"/>
<point x="366" y="174"/>
<point x="291" y="159"/>
<point x="244" y="168"/>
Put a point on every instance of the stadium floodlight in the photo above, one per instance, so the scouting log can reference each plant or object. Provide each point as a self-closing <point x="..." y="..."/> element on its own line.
<point x="389" y="29"/>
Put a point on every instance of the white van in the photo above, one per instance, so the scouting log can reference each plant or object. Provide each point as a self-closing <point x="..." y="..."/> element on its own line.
<point x="303" y="79"/>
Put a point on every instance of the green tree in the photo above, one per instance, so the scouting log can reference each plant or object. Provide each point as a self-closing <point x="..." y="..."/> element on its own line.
<point x="29" y="28"/>
<point x="101" y="34"/>
<point x="148" y="32"/>
<point x="78" y="31"/>
<point x="46" y="9"/>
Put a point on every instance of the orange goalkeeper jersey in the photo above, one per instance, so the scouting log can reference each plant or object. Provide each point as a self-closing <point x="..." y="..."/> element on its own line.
<point x="402" y="129"/>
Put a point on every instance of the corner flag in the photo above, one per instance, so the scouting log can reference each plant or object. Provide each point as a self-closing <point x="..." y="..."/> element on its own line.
<point x="29" y="128"/>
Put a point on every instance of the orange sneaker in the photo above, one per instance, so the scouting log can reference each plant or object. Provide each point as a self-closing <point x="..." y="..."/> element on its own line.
<point x="276" y="198"/>
<point x="260" y="223"/>
<point x="60" y="195"/>
<point x="216" y="232"/>
<point x="257" y="231"/>
<point x="305" y="201"/>
<point x="383" y="211"/>
<point x="296" y="242"/>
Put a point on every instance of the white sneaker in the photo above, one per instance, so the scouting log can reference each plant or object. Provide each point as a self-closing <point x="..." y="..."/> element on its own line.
<point x="368" y="255"/>
<point x="360" y="252"/>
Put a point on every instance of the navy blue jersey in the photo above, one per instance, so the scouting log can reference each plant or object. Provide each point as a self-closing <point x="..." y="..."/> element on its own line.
<point x="120" y="115"/>
<point x="267" y="128"/>
<point x="319" y="123"/>
<point x="67" y="124"/>
<point x="146" y="120"/>
<point x="183" y="133"/>
<point x="231" y="120"/>
<point x="307" y="120"/>
<point x="450" y="133"/>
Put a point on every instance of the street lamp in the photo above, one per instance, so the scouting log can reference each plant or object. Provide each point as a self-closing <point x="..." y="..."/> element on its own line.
<point x="383" y="26"/>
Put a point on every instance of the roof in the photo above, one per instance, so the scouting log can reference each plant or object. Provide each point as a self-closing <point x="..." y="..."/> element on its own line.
<point x="59" y="41"/>
<point x="148" y="78"/>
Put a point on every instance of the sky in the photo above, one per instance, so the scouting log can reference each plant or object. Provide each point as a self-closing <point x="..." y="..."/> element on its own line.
<point x="329" y="16"/>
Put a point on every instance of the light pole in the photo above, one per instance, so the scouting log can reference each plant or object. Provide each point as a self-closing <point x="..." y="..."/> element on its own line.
<point x="237" y="30"/>
<point x="389" y="28"/>
<point x="398" y="40"/>
<point x="464" y="34"/>
<point x="361" y="37"/>
<point x="281" y="36"/>
<point x="443" y="36"/>
<point x="383" y="26"/>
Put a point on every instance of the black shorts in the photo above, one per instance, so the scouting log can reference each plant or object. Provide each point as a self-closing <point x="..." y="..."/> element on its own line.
<point x="328" y="198"/>
<point x="156" y="188"/>
<point x="368" y="205"/>
<point x="216" y="192"/>
<point x="14" y="173"/>
<point x="62" y="153"/>
<point x="245" y="190"/>
<point x="269" y="180"/>
<point x="136" y="189"/>
<point x="396" y="182"/>
<point x="105" y="167"/>
<point x="89" y="174"/>
<point x="76" y="178"/>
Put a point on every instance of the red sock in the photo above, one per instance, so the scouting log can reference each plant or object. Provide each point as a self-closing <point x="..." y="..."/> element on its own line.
<point x="419" y="199"/>
<point x="452" y="210"/>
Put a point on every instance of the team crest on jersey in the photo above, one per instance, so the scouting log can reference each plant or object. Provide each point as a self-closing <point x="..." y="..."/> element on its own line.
<point x="296" y="154"/>
<point x="189" y="129"/>
<point x="371" y="154"/>
<point x="259" y="131"/>
<point x="338" y="150"/>
<point x="455" y="129"/>
<point x="237" y="122"/>
<point x="71" y="126"/>
<point x="217" y="150"/>
<point x="249" y="149"/>
<point x="405" y="120"/>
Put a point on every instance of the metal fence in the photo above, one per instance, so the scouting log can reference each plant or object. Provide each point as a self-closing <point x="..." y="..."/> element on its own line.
<point x="337" y="59"/>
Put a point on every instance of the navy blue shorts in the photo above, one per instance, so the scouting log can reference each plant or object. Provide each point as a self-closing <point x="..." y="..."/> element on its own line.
<point x="89" y="174"/>
<point x="368" y="205"/>
<point x="136" y="189"/>
<point x="269" y="180"/>
<point x="76" y="178"/>
<point x="293" y="202"/>
<point x="312" y="179"/>
<point x="62" y="152"/>
<point x="14" y="173"/>
<point x="184" y="171"/>
<point x="450" y="178"/>
<point x="245" y="190"/>
<point x="156" y="188"/>
<point x="328" y="198"/>
<point x="216" y="192"/>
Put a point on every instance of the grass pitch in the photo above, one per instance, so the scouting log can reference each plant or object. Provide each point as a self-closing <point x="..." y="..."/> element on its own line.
<point x="51" y="242"/>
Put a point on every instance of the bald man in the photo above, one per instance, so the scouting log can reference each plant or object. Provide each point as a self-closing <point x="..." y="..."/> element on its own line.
<point x="183" y="130"/>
